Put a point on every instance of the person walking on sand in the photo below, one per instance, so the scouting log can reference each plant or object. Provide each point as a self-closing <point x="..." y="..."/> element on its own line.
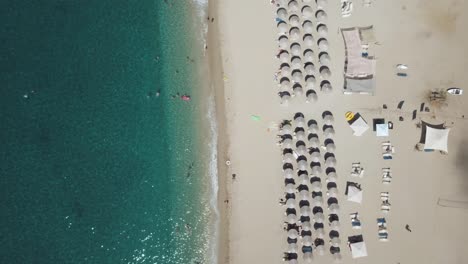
<point x="408" y="228"/>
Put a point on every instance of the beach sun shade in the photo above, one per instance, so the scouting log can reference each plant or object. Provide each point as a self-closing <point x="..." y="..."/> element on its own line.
<point x="354" y="194"/>
<point x="382" y="130"/>
<point x="437" y="138"/>
<point x="359" y="126"/>
<point x="358" y="250"/>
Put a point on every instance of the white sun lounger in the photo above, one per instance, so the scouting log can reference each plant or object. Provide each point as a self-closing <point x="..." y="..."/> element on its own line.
<point x="384" y="196"/>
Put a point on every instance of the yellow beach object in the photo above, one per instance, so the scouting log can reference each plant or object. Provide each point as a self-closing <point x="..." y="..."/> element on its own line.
<point x="349" y="115"/>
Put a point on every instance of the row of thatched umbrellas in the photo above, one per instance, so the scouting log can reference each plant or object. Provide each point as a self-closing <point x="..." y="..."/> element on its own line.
<point x="310" y="210"/>
<point x="297" y="69"/>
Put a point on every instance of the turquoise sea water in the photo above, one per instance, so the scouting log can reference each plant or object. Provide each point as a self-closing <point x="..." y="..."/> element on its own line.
<point x="95" y="168"/>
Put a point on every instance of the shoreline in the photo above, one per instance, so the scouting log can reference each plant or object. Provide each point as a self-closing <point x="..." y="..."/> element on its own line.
<point x="215" y="66"/>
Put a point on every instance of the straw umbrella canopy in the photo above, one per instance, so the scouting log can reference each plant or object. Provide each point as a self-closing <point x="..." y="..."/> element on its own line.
<point x="296" y="62"/>
<point x="310" y="81"/>
<point x="290" y="188"/>
<point x="283" y="42"/>
<point x="291" y="218"/>
<point x="316" y="186"/>
<point x="316" y="170"/>
<point x="308" y="40"/>
<point x="287" y="143"/>
<point x="284" y="56"/>
<point x="308" y="26"/>
<point x="334" y="208"/>
<point x="330" y="162"/>
<point x="285" y="68"/>
<point x="328" y="118"/>
<point x="293" y="6"/>
<point x="326" y="86"/>
<point x="311" y="96"/>
<point x="306" y="226"/>
<point x="336" y="241"/>
<point x="322" y="30"/>
<point x="304" y="194"/>
<point x="315" y="156"/>
<point x="282" y="27"/>
<point x="291" y="203"/>
<point x="329" y="132"/>
<point x="292" y="233"/>
<point x="296" y="49"/>
<point x="321" y="15"/>
<point x="324" y="58"/>
<point x="308" y="55"/>
<point x="318" y="218"/>
<point x="288" y="158"/>
<point x="282" y="13"/>
<point x="322" y="44"/>
<point x="292" y="248"/>
<point x="309" y="68"/>
<point x="294" y="20"/>
<point x="305" y="210"/>
<point x="307" y="12"/>
<point x="307" y="241"/>
<point x="325" y="72"/>
<point x="297" y="76"/>
<point x="286" y="129"/>
<point x="294" y="33"/>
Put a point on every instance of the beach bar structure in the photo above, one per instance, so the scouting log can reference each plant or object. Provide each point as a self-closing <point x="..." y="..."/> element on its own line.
<point x="359" y="69"/>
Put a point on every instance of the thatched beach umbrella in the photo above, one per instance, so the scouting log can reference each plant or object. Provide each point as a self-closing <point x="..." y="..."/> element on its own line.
<point x="308" y="27"/>
<point x="291" y="203"/>
<point x="305" y="210"/>
<point x="330" y="162"/>
<point x="311" y="96"/>
<point x="325" y="86"/>
<point x="296" y="62"/>
<point x="322" y="44"/>
<point x="321" y="15"/>
<point x="307" y="241"/>
<point x="322" y="30"/>
<point x="291" y="218"/>
<point x="308" y="55"/>
<point x="318" y="217"/>
<point x="292" y="233"/>
<point x="293" y="6"/>
<point x="332" y="192"/>
<point x="308" y="40"/>
<point x="284" y="56"/>
<point x="282" y="27"/>
<point x="294" y="20"/>
<point x="325" y="72"/>
<point x="290" y="188"/>
<point x="296" y="49"/>
<point x="286" y="129"/>
<point x="324" y="58"/>
<point x="316" y="186"/>
<point x="294" y="33"/>
<point x="309" y="68"/>
<point x="282" y="13"/>
<point x="283" y="42"/>
<point x="297" y="76"/>
<point x="307" y="12"/>
<point x="310" y="81"/>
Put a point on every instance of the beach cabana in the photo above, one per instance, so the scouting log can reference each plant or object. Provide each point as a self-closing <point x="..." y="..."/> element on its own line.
<point x="354" y="194"/>
<point x="359" y="126"/>
<point x="436" y="138"/>
<point x="358" y="249"/>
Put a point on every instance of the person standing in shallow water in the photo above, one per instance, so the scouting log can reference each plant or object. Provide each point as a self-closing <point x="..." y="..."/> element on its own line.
<point x="407" y="227"/>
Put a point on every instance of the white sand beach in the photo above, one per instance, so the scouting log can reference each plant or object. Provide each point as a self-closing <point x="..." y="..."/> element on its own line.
<point x="429" y="37"/>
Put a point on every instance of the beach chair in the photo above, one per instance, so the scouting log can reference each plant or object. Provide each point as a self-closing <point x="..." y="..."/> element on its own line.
<point x="387" y="156"/>
<point x="357" y="170"/>
<point x="385" y="207"/>
<point x="381" y="221"/>
<point x="386" y="176"/>
<point x="383" y="236"/>
<point x="355" y="222"/>
<point x="384" y="196"/>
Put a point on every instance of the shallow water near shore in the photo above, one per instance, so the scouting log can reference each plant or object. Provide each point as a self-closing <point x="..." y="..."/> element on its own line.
<point x="96" y="167"/>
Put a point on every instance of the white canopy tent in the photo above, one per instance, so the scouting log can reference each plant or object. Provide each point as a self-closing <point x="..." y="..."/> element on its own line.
<point x="359" y="127"/>
<point x="437" y="138"/>
<point x="382" y="130"/>
<point x="358" y="250"/>
<point x="354" y="194"/>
